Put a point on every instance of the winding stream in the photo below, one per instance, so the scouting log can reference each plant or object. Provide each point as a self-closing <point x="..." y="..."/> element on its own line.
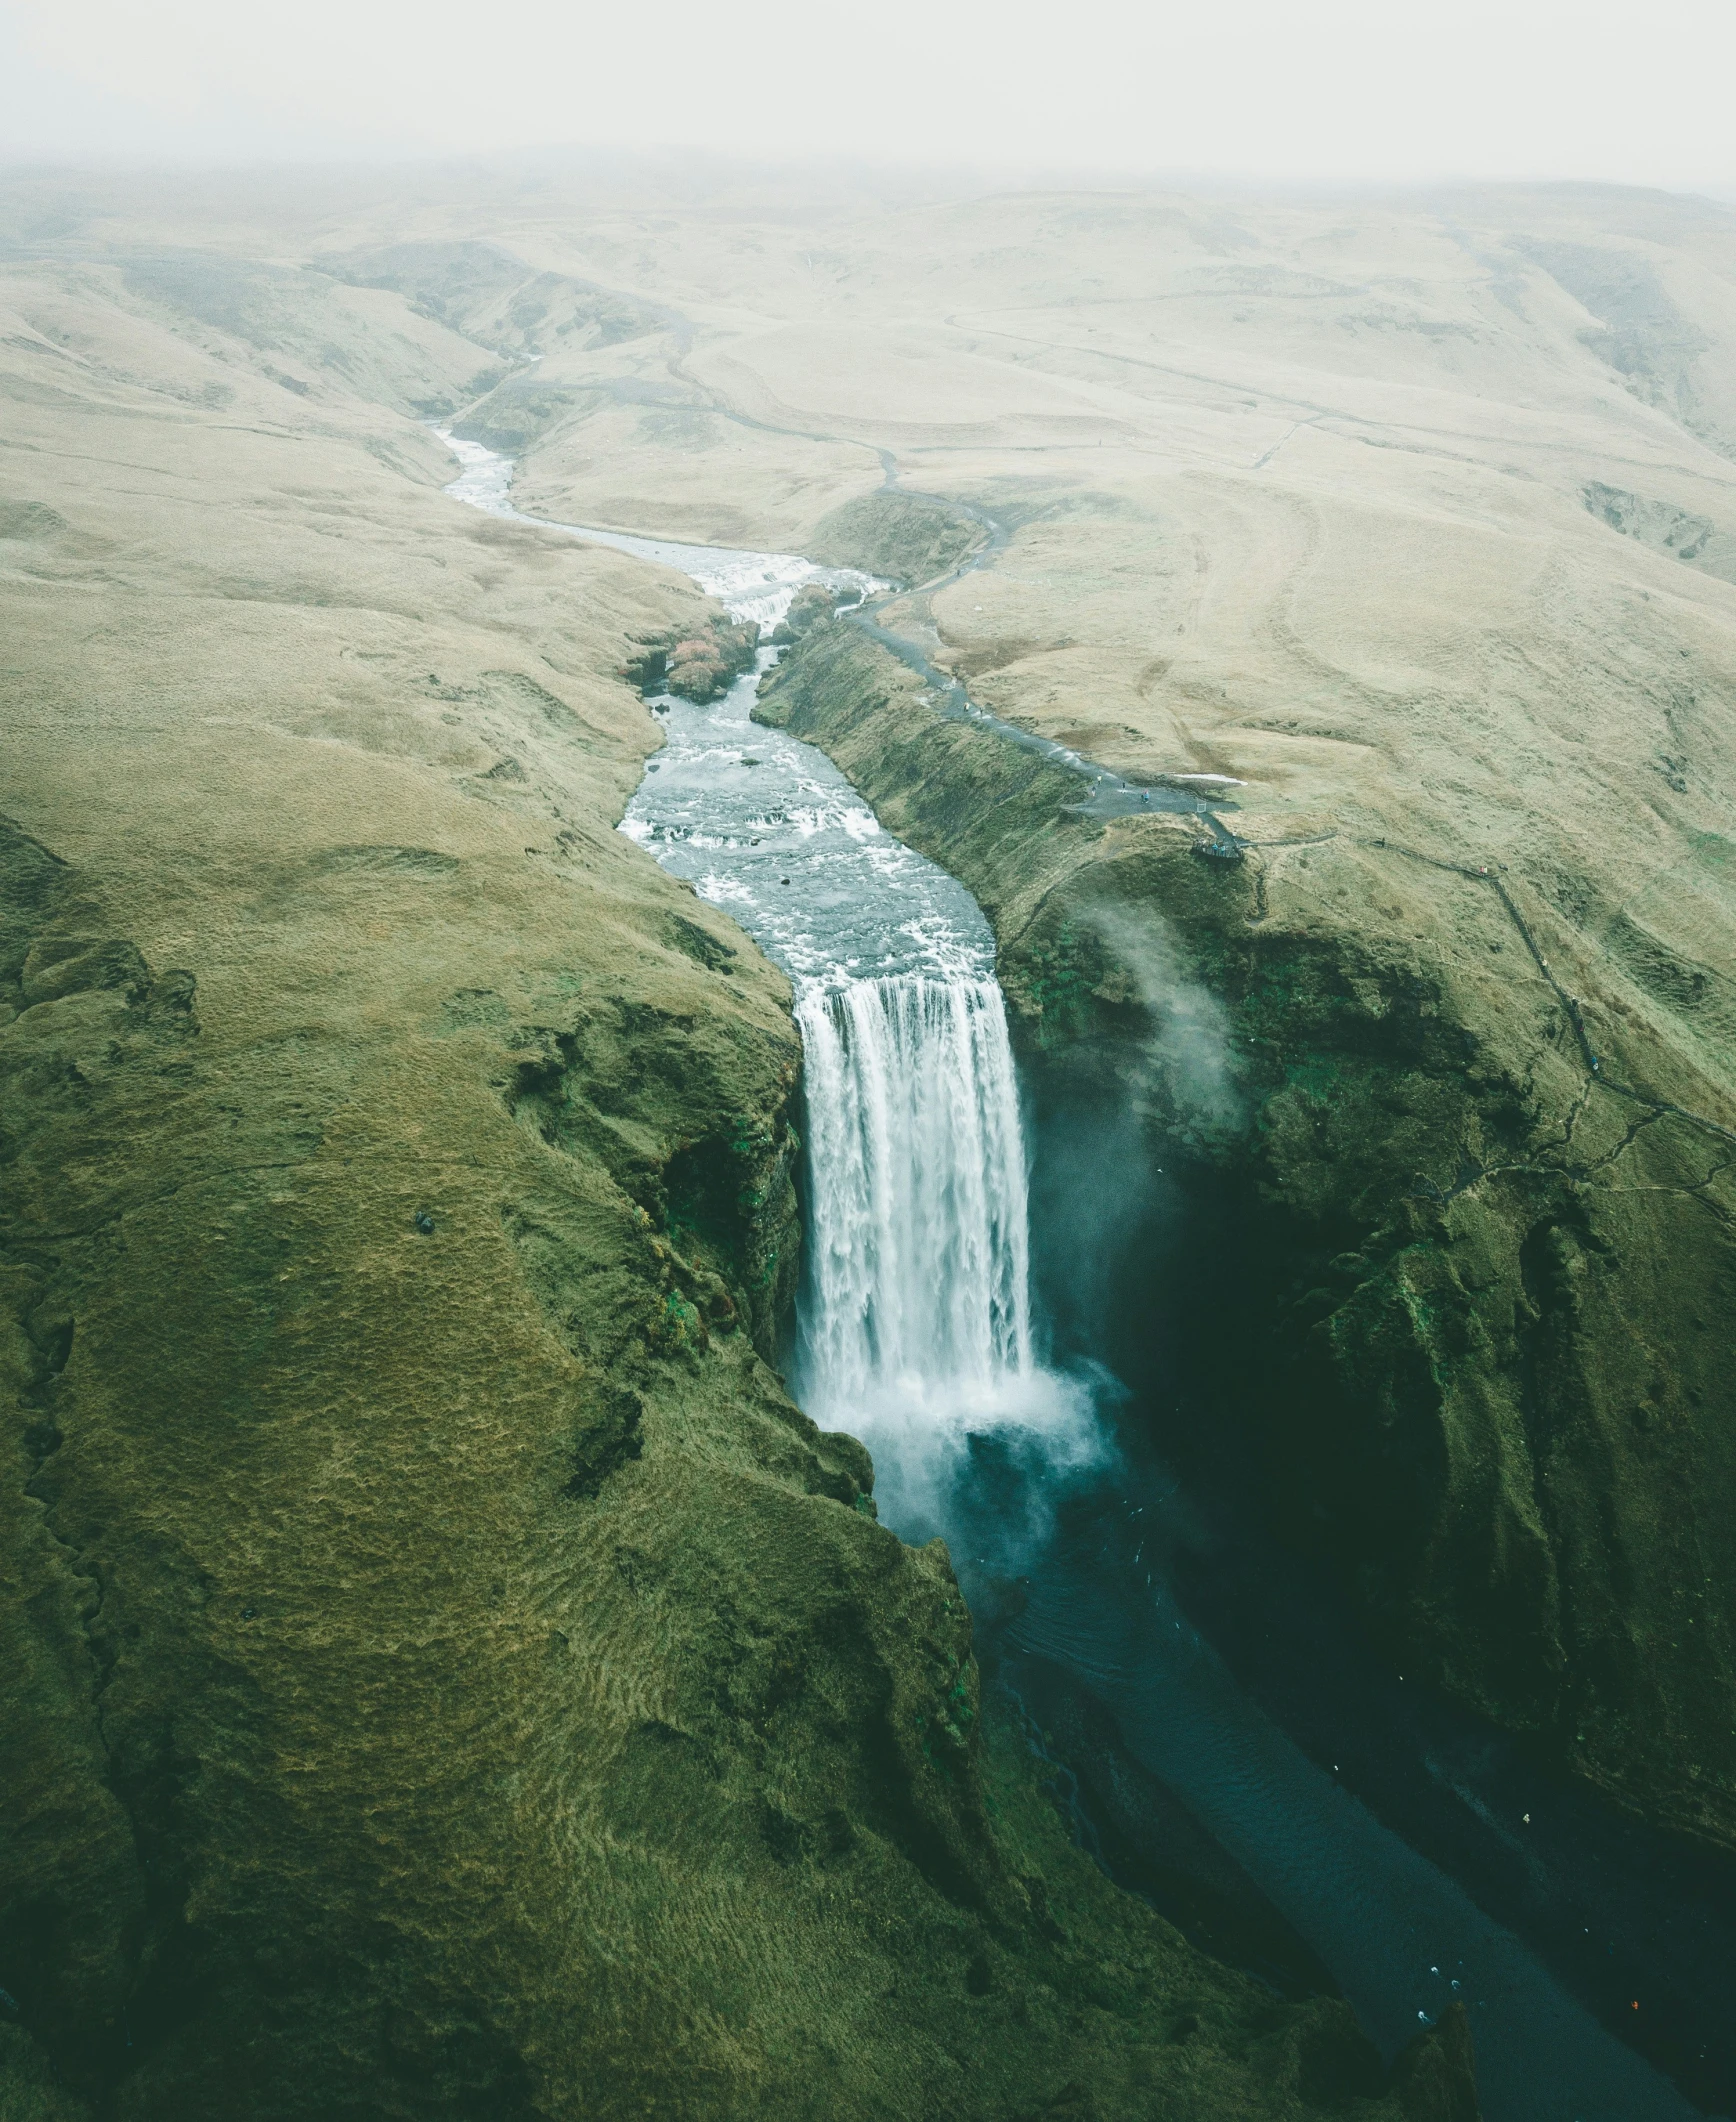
<point x="917" y="1334"/>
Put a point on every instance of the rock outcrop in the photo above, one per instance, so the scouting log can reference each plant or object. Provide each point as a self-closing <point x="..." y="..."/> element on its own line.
<point x="811" y="606"/>
<point x="903" y="537"/>
<point x="699" y="664"/>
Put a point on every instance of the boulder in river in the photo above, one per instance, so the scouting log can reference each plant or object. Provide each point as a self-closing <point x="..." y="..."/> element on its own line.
<point x="703" y="665"/>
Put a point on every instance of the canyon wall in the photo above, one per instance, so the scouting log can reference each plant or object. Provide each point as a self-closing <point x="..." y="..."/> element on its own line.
<point x="1459" y="1221"/>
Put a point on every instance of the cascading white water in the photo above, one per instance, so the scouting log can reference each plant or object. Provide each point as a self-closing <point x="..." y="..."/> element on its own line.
<point x="920" y="1269"/>
<point x="916" y="1324"/>
<point x="916" y="1328"/>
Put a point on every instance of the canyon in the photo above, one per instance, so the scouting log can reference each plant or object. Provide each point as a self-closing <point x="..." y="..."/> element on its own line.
<point x="456" y="1675"/>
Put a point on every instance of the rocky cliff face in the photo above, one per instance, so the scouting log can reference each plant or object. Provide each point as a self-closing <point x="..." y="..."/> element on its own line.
<point x="447" y="1675"/>
<point x="1461" y="1230"/>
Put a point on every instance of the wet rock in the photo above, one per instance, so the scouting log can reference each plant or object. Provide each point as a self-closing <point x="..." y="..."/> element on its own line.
<point x="703" y="666"/>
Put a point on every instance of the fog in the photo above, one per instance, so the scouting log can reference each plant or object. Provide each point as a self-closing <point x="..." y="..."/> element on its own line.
<point x="1357" y="90"/>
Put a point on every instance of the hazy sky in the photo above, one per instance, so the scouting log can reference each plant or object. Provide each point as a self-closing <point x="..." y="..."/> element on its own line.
<point x="1307" y="89"/>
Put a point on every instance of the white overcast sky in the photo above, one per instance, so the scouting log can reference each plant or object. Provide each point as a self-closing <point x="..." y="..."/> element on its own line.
<point x="1309" y="90"/>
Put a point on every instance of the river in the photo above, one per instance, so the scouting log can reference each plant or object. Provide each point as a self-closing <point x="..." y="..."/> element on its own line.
<point x="917" y="1332"/>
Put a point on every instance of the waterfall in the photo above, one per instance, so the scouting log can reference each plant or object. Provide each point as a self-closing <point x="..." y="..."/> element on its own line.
<point x="916" y="1327"/>
<point x="920" y="1255"/>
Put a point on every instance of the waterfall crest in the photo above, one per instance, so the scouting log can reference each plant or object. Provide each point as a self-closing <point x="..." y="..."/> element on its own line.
<point x="916" y="1330"/>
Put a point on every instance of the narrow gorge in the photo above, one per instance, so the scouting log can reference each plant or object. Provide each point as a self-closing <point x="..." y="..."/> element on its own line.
<point x="916" y="1332"/>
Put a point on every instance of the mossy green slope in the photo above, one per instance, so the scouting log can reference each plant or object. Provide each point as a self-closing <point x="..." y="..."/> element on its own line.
<point x="448" y="1676"/>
